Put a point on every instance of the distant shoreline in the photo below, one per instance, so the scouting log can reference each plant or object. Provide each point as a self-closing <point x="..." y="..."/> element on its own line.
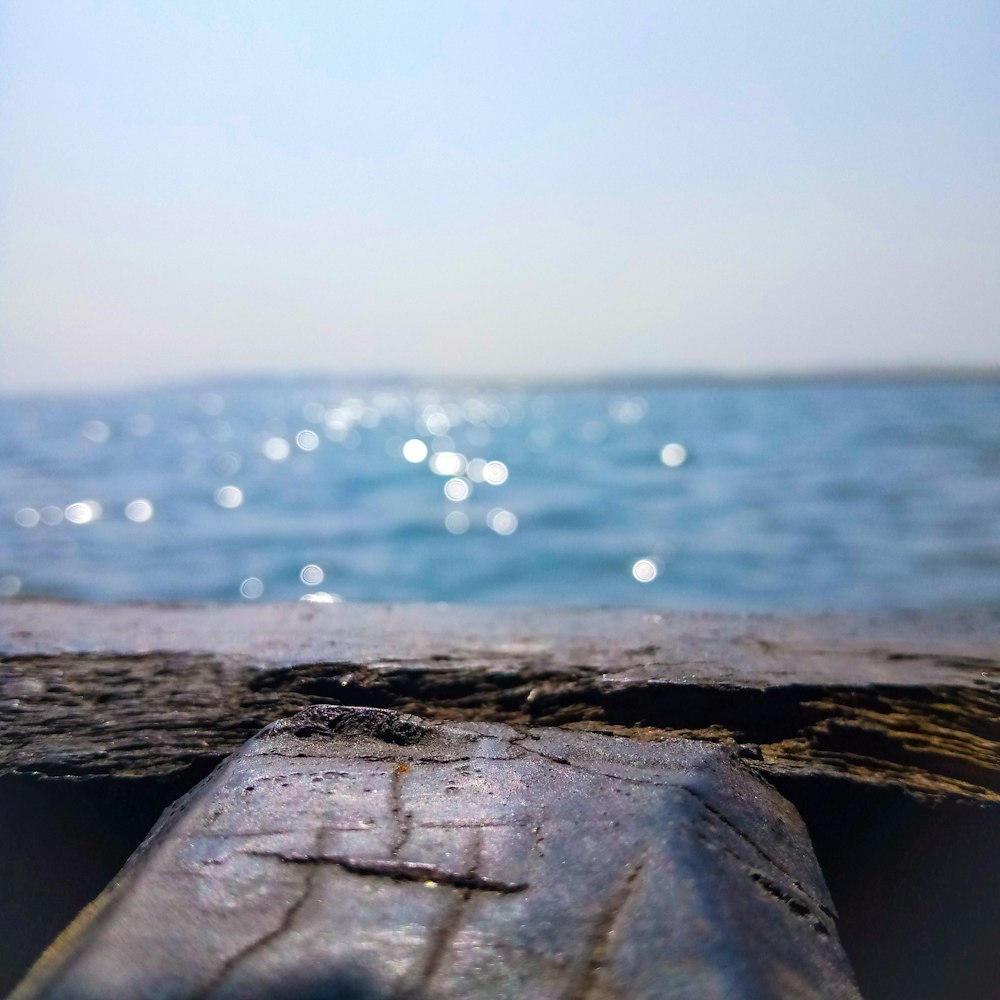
<point x="859" y="377"/>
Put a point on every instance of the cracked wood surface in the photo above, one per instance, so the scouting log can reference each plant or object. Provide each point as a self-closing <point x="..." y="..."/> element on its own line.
<point x="906" y="701"/>
<point x="361" y="853"/>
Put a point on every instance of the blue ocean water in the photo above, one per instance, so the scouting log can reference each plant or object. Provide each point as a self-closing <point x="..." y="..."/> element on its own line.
<point x="779" y="496"/>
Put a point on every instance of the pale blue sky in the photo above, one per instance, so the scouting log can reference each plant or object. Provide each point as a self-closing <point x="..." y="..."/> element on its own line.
<point x="530" y="188"/>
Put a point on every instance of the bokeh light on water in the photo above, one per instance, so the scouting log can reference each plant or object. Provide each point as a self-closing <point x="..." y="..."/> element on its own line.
<point x="252" y="588"/>
<point x="228" y="496"/>
<point x="645" y="570"/>
<point x="457" y="489"/>
<point x="756" y="496"/>
<point x="673" y="454"/>
<point x="139" y="511"/>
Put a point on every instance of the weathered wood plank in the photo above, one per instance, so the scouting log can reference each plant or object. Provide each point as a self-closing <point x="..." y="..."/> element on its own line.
<point x="741" y="648"/>
<point x="903" y="701"/>
<point x="363" y="853"/>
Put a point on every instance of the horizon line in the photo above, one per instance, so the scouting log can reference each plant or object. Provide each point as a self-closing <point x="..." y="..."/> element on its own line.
<point x="842" y="374"/>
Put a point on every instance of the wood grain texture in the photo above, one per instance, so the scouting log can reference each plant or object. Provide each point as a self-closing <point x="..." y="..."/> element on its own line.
<point x="906" y="701"/>
<point x="364" y="853"/>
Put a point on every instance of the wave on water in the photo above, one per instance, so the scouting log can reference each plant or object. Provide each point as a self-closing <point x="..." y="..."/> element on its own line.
<point x="789" y="496"/>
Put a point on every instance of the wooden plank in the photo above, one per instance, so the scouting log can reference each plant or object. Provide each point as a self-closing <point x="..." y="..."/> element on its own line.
<point x="742" y="648"/>
<point x="365" y="853"/>
<point x="907" y="701"/>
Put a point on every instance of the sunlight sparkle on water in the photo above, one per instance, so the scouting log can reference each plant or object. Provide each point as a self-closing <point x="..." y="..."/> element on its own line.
<point x="337" y="429"/>
<point x="321" y="597"/>
<point x="503" y="522"/>
<point x="276" y="449"/>
<point x="447" y="463"/>
<point x="673" y="454"/>
<point x="630" y="494"/>
<point x="139" y="511"/>
<point x="307" y="440"/>
<point x="436" y="422"/>
<point x="627" y="411"/>
<point x="27" y="517"/>
<point x="51" y="514"/>
<point x="415" y="451"/>
<point x="644" y="570"/>
<point x="229" y="497"/>
<point x="83" y="512"/>
<point x="457" y="489"/>
<point x="495" y="473"/>
<point x="96" y="430"/>
<point x="457" y="522"/>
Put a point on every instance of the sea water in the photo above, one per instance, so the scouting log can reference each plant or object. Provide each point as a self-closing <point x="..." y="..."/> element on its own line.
<point x="782" y="496"/>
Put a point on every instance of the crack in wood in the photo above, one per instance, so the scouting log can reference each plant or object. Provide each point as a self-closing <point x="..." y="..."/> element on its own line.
<point x="788" y="898"/>
<point x="230" y="965"/>
<point x="400" y="871"/>
<point x="445" y="933"/>
<point x="746" y="838"/>
<point x="796" y="906"/>
<point x="586" y="985"/>
<point x="400" y="818"/>
<point x="565" y="762"/>
<point x="81" y="714"/>
<point x="449" y="824"/>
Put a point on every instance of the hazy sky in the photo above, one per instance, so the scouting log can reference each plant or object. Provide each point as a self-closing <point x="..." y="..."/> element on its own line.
<point x="532" y="187"/>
